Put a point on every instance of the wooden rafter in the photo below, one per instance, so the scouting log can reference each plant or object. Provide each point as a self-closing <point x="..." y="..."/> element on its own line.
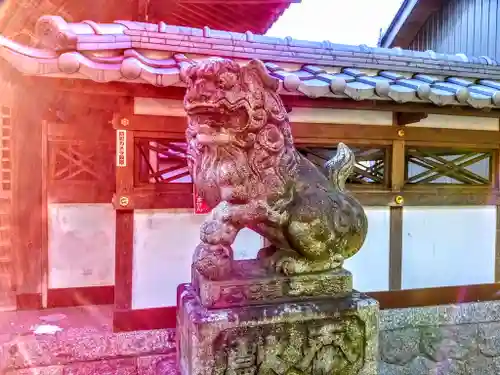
<point x="407" y="118"/>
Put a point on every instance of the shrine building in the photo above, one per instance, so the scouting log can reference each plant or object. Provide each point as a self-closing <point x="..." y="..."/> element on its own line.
<point x="100" y="204"/>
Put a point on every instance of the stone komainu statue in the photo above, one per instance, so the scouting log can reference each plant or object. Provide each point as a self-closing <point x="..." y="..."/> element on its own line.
<point x="244" y="164"/>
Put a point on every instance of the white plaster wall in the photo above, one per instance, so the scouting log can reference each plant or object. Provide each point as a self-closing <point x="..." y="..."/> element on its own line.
<point x="458" y="122"/>
<point x="81" y="245"/>
<point x="340" y="116"/>
<point x="170" y="107"/>
<point x="446" y="246"/>
<point x="370" y="266"/>
<point x="164" y="242"/>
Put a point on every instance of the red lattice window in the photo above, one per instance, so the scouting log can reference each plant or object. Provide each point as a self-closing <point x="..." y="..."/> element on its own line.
<point x="370" y="165"/>
<point x="80" y="161"/>
<point x="162" y="161"/>
<point x="448" y="166"/>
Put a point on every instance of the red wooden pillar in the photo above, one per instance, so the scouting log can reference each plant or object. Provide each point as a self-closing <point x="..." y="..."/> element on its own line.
<point x="134" y="190"/>
<point x="124" y="217"/>
<point x="29" y="213"/>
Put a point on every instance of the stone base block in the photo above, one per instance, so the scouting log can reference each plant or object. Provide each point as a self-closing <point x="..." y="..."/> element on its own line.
<point x="252" y="284"/>
<point x="316" y="336"/>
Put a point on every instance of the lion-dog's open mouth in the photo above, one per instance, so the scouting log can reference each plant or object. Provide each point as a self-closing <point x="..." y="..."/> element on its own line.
<point x="217" y="124"/>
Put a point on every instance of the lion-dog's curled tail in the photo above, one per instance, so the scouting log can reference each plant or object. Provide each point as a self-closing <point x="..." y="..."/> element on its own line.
<point x="340" y="166"/>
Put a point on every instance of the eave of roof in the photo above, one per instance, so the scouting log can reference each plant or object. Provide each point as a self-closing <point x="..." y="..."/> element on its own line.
<point x="155" y="53"/>
<point x="409" y="19"/>
<point x="238" y="15"/>
<point x="17" y="16"/>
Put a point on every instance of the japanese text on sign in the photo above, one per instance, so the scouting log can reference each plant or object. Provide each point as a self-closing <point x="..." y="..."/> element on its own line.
<point x="121" y="148"/>
<point x="200" y="206"/>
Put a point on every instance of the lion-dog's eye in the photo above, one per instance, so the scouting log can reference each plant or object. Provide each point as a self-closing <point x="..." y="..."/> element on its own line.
<point x="227" y="80"/>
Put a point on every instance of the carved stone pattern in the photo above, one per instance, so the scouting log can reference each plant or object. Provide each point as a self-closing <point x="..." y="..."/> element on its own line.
<point x="334" y="347"/>
<point x="252" y="284"/>
<point x="256" y="292"/>
<point x="81" y="161"/>
<point x="448" y="166"/>
<point x="162" y="161"/>
<point x="458" y="349"/>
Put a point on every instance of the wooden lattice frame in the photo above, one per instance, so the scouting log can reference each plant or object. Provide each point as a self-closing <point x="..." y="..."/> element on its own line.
<point x="161" y="161"/>
<point x="451" y="163"/>
<point x="73" y="160"/>
<point x="370" y="168"/>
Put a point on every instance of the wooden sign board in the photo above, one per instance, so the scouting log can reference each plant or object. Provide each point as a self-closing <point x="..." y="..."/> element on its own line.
<point x="121" y="148"/>
<point x="200" y="206"/>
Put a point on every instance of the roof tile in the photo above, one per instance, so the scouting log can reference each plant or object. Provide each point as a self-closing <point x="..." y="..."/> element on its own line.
<point x="218" y="34"/>
<point x="426" y="78"/>
<point x="96" y="38"/>
<point x="402" y="94"/>
<point x="238" y="36"/>
<point x="489" y="83"/>
<point x="372" y="81"/>
<point x="157" y="40"/>
<point x="345" y="77"/>
<point x="314" y="88"/>
<point x="313" y="69"/>
<point x="304" y="75"/>
<point x="460" y="81"/>
<point x="391" y="75"/>
<point x="267" y="39"/>
<point x="368" y="73"/>
<point x="326" y="77"/>
<point x="359" y="91"/>
<point x="353" y="72"/>
<point x="478" y="101"/>
<point x="441" y="97"/>
<point x="304" y="43"/>
<point x="272" y="66"/>
<point x="483" y="90"/>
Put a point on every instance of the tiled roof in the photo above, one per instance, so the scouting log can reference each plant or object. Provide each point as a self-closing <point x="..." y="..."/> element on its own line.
<point x="154" y="53"/>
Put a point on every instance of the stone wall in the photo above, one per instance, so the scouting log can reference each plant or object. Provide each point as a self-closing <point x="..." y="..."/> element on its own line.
<point x="438" y="340"/>
<point x="79" y="341"/>
<point x="441" y="340"/>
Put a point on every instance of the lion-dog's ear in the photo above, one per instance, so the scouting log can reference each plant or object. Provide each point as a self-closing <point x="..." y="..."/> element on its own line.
<point x="257" y="67"/>
<point x="185" y="66"/>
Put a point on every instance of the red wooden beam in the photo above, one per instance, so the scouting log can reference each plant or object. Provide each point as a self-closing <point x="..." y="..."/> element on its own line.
<point x="238" y="2"/>
<point x="121" y="89"/>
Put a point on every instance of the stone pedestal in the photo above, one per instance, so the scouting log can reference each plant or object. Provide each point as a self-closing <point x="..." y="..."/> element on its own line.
<point x="257" y="323"/>
<point x="252" y="284"/>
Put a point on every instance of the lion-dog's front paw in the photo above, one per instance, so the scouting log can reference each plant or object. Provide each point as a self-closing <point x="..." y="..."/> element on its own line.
<point x="290" y="263"/>
<point x="278" y="260"/>
<point x="213" y="261"/>
<point x="217" y="232"/>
